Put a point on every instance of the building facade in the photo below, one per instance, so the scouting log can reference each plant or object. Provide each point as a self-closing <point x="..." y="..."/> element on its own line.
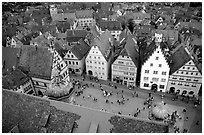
<point x="155" y="68"/>
<point x="185" y="78"/>
<point x="124" y="68"/>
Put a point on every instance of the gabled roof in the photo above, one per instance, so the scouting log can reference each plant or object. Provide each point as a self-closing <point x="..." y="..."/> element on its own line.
<point x="80" y="49"/>
<point x="149" y="50"/>
<point x="37" y="60"/>
<point x="84" y="13"/>
<point x="110" y="25"/>
<point x="179" y="58"/>
<point x="14" y="79"/>
<point x="62" y="26"/>
<point x="131" y="50"/>
<point x="75" y="35"/>
<point x="104" y="44"/>
<point x="59" y="49"/>
<point x="9" y="58"/>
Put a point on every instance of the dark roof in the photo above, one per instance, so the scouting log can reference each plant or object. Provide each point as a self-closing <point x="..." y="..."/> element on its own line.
<point x="80" y="49"/>
<point x="75" y="35"/>
<point x="37" y="60"/>
<point x="84" y="13"/>
<point x="62" y="26"/>
<point x="131" y="49"/>
<point x="26" y="39"/>
<point x="179" y="58"/>
<point x="59" y="49"/>
<point x="149" y="50"/>
<point x="14" y="79"/>
<point x="110" y="25"/>
<point x="27" y="111"/>
<point x="9" y="58"/>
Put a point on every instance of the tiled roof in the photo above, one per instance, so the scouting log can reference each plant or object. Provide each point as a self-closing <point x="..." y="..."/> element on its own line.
<point x="62" y="26"/>
<point x="110" y="25"/>
<point x="76" y="35"/>
<point x="37" y="60"/>
<point x="104" y="44"/>
<point x="60" y="50"/>
<point x="9" y="58"/>
<point x="179" y="58"/>
<point x="41" y="41"/>
<point x="84" y="13"/>
<point x="131" y="49"/>
<point x="149" y="50"/>
<point x="14" y="79"/>
<point x="80" y="49"/>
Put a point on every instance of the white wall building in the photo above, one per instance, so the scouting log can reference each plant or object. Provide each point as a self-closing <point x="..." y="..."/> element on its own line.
<point x="185" y="78"/>
<point x="155" y="68"/>
<point x="98" y="60"/>
<point x="75" y="57"/>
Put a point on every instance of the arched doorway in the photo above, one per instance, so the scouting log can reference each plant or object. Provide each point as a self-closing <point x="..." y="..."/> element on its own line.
<point x="154" y="87"/>
<point x="90" y="72"/>
<point x="40" y="93"/>
<point x="184" y="93"/>
<point x="177" y="92"/>
<point x="172" y="90"/>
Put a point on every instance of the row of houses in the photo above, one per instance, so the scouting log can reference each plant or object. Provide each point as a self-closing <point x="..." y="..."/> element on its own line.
<point x="161" y="70"/>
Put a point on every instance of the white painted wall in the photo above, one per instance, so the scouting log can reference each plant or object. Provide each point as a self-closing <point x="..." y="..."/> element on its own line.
<point x="193" y="74"/>
<point x="164" y="68"/>
<point x="94" y="62"/>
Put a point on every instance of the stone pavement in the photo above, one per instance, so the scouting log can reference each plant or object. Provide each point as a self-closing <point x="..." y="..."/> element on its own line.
<point x="191" y="112"/>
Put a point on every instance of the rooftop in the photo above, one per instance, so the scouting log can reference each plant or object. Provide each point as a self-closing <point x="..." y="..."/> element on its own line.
<point x="37" y="60"/>
<point x="14" y="79"/>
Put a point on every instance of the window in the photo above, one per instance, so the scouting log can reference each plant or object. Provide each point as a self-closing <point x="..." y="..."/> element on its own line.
<point x="146" y="71"/>
<point x="99" y="62"/>
<point x="186" y="72"/>
<point x="155" y="79"/>
<point x="188" y="68"/>
<point x="68" y="56"/>
<point x="72" y="56"/>
<point x="146" y="78"/>
<point x="196" y="74"/>
<point x="95" y="62"/>
<point x="90" y="57"/>
<point x="181" y="78"/>
<point x="76" y="63"/>
<point x="125" y="73"/>
<point x="182" y="72"/>
<point x="189" y="63"/>
<point x="120" y="62"/>
<point x="191" y="93"/>
<point x="163" y="80"/>
<point x="161" y="86"/>
<point x="151" y="64"/>
<point x="183" y="67"/>
<point x="191" y="73"/>
<point x="102" y="63"/>
<point x="90" y="61"/>
<point x="94" y="57"/>
<point x="93" y="51"/>
<point x="98" y="57"/>
<point x="69" y="62"/>
<point x="146" y="85"/>
<point x="103" y="68"/>
<point x="155" y="72"/>
<point x="73" y="62"/>
<point x="157" y="58"/>
<point x="193" y="68"/>
<point x="160" y="65"/>
<point x="163" y="73"/>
